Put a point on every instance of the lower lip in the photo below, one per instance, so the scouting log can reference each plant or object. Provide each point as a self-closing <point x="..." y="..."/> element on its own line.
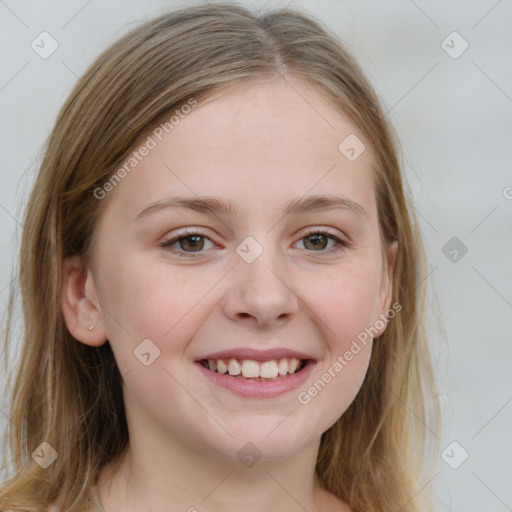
<point x="258" y="389"/>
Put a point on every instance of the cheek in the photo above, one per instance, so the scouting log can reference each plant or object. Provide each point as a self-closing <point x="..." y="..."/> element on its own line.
<point x="154" y="301"/>
<point x="337" y="385"/>
<point x="345" y="303"/>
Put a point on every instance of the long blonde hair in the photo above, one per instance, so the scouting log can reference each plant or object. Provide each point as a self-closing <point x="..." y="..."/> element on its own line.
<point x="69" y="394"/>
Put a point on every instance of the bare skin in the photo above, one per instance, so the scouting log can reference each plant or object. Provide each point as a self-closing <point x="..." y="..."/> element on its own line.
<point x="259" y="146"/>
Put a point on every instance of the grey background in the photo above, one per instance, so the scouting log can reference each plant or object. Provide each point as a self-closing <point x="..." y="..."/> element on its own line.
<point x="453" y="116"/>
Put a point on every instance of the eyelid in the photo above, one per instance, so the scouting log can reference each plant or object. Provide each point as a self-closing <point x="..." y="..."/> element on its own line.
<point x="167" y="244"/>
<point x="341" y="243"/>
<point x="325" y="231"/>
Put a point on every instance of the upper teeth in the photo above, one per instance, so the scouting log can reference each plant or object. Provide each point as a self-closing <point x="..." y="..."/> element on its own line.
<point x="250" y="368"/>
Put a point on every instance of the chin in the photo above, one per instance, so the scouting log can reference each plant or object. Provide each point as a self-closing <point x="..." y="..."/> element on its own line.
<point x="264" y="440"/>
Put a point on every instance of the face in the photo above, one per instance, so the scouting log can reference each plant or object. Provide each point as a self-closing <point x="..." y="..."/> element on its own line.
<point x="278" y="276"/>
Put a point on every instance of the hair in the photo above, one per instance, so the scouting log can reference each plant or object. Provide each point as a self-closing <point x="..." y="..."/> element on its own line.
<point x="69" y="394"/>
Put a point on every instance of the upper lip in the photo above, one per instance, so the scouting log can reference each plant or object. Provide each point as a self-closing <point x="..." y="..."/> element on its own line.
<point x="242" y="353"/>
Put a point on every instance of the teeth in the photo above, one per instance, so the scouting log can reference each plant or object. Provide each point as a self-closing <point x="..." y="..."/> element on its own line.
<point x="283" y="367"/>
<point x="249" y="368"/>
<point x="234" y="367"/>
<point x="222" y="367"/>
<point x="269" y="370"/>
<point x="292" y="365"/>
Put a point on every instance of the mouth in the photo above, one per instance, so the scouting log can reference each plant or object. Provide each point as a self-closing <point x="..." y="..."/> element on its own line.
<point x="256" y="371"/>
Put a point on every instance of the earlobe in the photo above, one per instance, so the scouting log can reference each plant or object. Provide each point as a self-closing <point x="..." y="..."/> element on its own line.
<point x="79" y="304"/>
<point x="386" y="289"/>
<point x="390" y="270"/>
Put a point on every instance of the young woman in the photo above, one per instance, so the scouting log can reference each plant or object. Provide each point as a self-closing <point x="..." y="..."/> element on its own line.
<point x="222" y="283"/>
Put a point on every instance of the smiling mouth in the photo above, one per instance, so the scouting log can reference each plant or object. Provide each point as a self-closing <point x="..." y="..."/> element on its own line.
<point x="248" y="369"/>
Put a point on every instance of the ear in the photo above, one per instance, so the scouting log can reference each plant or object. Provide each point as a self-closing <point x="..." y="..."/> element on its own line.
<point x="386" y="286"/>
<point x="80" y="306"/>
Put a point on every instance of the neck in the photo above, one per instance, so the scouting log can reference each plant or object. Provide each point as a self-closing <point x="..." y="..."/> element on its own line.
<point x="150" y="478"/>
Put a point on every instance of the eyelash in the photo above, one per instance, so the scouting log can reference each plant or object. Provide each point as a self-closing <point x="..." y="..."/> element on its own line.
<point x="341" y="245"/>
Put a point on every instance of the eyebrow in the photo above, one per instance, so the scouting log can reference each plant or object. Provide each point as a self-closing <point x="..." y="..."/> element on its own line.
<point x="215" y="205"/>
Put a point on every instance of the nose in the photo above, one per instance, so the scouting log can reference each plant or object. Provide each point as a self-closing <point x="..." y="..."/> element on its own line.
<point x="259" y="293"/>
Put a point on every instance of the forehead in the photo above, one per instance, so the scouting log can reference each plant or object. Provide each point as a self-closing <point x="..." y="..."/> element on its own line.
<point x="255" y="144"/>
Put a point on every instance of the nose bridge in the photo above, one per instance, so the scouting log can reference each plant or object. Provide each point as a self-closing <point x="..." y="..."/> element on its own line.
<point x="260" y="285"/>
<point x="257" y="264"/>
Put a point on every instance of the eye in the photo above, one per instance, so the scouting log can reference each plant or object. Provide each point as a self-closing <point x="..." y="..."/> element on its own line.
<point x="191" y="242"/>
<point x="318" y="239"/>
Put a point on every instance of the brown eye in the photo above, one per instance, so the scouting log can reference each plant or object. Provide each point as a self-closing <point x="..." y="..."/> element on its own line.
<point x="317" y="241"/>
<point x="194" y="243"/>
<point x="186" y="244"/>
